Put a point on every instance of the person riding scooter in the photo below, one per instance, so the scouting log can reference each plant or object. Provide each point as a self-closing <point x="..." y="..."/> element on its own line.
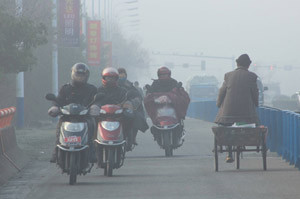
<point x="171" y="89"/>
<point x="80" y="92"/>
<point x="114" y="94"/>
<point x="139" y="122"/>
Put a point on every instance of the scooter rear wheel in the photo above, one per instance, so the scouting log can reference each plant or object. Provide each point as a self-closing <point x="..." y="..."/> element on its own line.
<point x="167" y="144"/>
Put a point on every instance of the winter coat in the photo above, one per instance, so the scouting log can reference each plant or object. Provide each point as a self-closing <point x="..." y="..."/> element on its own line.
<point x="136" y="98"/>
<point x="162" y="86"/>
<point x="112" y="95"/>
<point x="238" y="97"/>
<point x="83" y="94"/>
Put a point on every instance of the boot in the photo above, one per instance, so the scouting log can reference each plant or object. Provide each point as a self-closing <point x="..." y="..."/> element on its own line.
<point x="134" y="137"/>
<point x="53" y="158"/>
<point x="92" y="154"/>
<point x="229" y="158"/>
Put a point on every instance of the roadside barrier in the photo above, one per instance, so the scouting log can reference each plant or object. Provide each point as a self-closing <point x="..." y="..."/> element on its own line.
<point x="283" y="127"/>
<point x="11" y="157"/>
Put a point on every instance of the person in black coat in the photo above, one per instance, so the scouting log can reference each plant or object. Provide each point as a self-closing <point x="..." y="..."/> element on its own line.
<point x="79" y="92"/>
<point x="139" y="122"/>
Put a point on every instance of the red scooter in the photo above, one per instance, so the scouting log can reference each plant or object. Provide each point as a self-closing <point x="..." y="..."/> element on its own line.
<point x="167" y="128"/>
<point x="112" y="137"/>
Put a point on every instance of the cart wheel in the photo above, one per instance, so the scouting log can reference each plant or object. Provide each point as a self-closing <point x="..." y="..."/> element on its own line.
<point x="238" y="157"/>
<point x="216" y="156"/>
<point x="264" y="156"/>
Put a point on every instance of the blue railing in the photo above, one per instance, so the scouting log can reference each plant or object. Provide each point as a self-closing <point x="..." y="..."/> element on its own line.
<point x="283" y="128"/>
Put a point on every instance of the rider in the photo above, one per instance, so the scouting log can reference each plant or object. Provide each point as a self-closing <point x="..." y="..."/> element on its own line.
<point x="164" y="83"/>
<point x="137" y="86"/>
<point x="114" y="94"/>
<point x="80" y="92"/>
<point x="238" y="97"/>
<point x="139" y="122"/>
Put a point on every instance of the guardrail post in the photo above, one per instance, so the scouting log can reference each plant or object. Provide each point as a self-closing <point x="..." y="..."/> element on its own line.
<point x="297" y="143"/>
<point x="273" y="131"/>
<point x="292" y="137"/>
<point x="279" y="124"/>
<point x="267" y="117"/>
<point x="284" y="134"/>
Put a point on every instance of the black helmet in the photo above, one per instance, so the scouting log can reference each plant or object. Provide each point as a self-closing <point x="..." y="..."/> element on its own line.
<point x="80" y="73"/>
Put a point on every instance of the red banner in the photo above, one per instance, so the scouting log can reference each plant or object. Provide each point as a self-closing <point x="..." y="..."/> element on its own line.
<point x="93" y="42"/>
<point x="107" y="51"/>
<point x="68" y="21"/>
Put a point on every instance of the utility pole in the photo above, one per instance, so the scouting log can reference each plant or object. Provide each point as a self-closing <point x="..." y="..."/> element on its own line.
<point x="54" y="50"/>
<point x="20" y="78"/>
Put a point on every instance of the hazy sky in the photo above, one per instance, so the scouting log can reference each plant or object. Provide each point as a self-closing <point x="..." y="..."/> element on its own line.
<point x="268" y="30"/>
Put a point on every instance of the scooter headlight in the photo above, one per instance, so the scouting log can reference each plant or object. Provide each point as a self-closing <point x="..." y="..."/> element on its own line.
<point x="110" y="126"/>
<point x="102" y="111"/>
<point x="65" y="112"/>
<point x="84" y="112"/>
<point x="73" y="127"/>
<point x="119" y="111"/>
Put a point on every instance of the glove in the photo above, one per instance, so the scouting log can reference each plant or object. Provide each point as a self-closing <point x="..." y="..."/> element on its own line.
<point x="128" y="105"/>
<point x="136" y="102"/>
<point x="94" y="110"/>
<point x="53" y="111"/>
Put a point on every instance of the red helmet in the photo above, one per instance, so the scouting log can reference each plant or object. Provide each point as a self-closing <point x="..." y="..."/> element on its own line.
<point x="163" y="73"/>
<point x="110" y="76"/>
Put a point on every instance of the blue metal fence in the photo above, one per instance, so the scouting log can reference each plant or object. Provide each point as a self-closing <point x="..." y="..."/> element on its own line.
<point x="283" y="127"/>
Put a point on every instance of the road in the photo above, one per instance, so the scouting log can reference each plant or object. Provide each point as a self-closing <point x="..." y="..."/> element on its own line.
<point x="148" y="174"/>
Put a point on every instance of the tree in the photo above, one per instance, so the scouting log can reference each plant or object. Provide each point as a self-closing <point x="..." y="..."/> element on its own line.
<point x="128" y="53"/>
<point x="19" y="36"/>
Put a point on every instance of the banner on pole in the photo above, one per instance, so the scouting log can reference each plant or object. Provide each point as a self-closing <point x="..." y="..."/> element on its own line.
<point x="93" y="42"/>
<point x="69" y="23"/>
<point x="107" y="51"/>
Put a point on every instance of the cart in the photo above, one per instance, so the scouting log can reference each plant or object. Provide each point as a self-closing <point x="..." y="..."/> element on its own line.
<point x="240" y="138"/>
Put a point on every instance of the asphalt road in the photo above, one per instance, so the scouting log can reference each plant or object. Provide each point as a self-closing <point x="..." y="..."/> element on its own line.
<point x="147" y="174"/>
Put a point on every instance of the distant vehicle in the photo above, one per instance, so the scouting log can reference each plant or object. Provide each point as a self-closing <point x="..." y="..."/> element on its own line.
<point x="272" y="92"/>
<point x="261" y="90"/>
<point x="203" y="88"/>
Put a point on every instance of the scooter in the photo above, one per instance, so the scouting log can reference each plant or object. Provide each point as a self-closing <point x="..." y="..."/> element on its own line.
<point x="73" y="149"/>
<point x="112" y="138"/>
<point x="167" y="129"/>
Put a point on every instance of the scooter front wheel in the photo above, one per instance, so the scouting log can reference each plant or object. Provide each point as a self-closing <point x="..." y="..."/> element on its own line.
<point x="73" y="169"/>
<point x="110" y="162"/>
<point x="168" y="151"/>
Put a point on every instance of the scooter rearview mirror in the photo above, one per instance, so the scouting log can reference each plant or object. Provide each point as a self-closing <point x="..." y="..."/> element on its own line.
<point x="50" y="97"/>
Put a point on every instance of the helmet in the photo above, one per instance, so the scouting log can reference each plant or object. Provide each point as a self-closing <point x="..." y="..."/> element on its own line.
<point x="163" y="73"/>
<point x="80" y="73"/>
<point x="110" y="76"/>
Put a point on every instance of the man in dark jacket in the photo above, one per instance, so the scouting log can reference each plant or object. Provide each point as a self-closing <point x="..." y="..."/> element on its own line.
<point x="79" y="92"/>
<point x="164" y="83"/>
<point x="238" y="97"/>
<point x="139" y="122"/>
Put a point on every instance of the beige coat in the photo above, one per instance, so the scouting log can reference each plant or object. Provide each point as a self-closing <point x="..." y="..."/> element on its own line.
<point x="238" y="97"/>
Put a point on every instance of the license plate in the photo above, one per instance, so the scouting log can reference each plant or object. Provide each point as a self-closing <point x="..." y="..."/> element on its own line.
<point x="73" y="139"/>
